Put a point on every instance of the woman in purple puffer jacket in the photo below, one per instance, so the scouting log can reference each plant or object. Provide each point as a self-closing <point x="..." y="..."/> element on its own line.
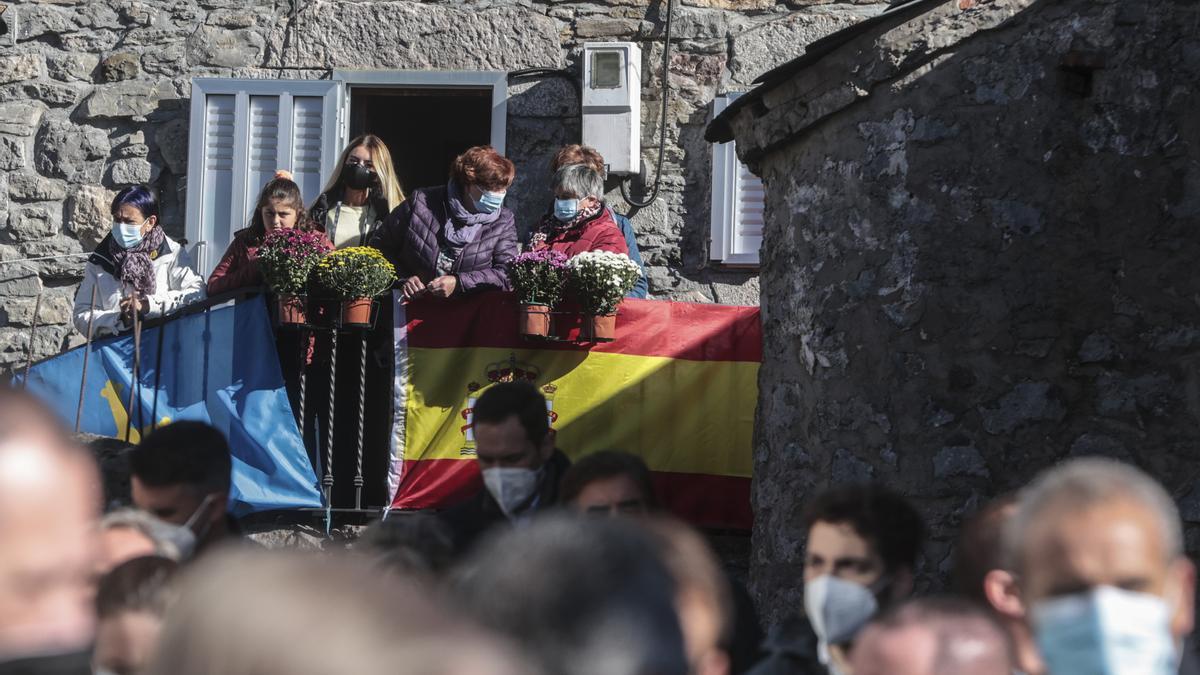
<point x="456" y="238"/>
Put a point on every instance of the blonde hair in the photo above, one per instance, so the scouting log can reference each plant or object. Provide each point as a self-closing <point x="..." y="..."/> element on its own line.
<point x="240" y="613"/>
<point x="382" y="159"/>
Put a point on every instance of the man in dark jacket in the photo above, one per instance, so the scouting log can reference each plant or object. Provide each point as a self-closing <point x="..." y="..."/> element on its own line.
<point x="521" y="467"/>
<point x="859" y="558"/>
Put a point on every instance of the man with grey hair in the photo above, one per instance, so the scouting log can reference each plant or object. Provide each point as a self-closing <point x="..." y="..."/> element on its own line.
<point x="1097" y="551"/>
<point x="128" y="533"/>
<point x="579" y="222"/>
<point x="933" y="636"/>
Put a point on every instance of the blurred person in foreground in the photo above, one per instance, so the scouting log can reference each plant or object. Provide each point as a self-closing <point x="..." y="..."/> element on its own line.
<point x="1097" y="552"/>
<point x="860" y="557"/>
<point x="578" y="596"/>
<point x="251" y="612"/>
<point x="131" y="602"/>
<point x="983" y="574"/>
<point x="181" y="474"/>
<point x="49" y="503"/>
<point x="416" y="545"/>
<point x="703" y="597"/>
<point x="517" y="457"/>
<point x="126" y="534"/>
<point x="719" y="620"/>
<point x="933" y="636"/>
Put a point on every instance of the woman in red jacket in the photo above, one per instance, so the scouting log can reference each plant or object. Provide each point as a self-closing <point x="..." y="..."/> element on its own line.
<point x="580" y="222"/>
<point x="279" y="206"/>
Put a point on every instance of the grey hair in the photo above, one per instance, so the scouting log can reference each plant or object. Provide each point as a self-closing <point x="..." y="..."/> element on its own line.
<point x="579" y="180"/>
<point x="1082" y="483"/>
<point x="969" y="638"/>
<point x="168" y="539"/>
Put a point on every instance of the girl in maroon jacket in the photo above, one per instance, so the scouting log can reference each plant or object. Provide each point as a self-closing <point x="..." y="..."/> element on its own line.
<point x="279" y="206"/>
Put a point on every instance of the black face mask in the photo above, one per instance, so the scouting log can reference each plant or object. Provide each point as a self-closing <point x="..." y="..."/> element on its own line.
<point x="357" y="176"/>
<point x="70" y="663"/>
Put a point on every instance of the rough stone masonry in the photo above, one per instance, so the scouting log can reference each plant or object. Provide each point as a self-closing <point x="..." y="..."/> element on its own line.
<point x="980" y="259"/>
<point x="94" y="96"/>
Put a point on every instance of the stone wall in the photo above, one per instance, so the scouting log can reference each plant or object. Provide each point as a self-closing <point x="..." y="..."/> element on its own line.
<point x="94" y="96"/>
<point x="979" y="261"/>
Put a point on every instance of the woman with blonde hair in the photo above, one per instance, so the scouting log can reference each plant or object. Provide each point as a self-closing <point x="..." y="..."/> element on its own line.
<point x="360" y="194"/>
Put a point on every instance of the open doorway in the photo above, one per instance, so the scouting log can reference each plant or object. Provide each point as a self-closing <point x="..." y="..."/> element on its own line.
<point x="424" y="128"/>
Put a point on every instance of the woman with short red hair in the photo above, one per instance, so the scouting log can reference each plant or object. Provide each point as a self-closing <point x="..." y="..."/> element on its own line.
<point x="458" y="237"/>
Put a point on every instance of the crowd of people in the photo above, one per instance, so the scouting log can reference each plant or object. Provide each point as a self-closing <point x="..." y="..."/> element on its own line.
<point x="564" y="568"/>
<point x="444" y="240"/>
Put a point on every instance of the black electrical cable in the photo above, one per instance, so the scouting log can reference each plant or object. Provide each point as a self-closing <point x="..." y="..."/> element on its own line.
<point x="548" y="72"/>
<point x="662" y="136"/>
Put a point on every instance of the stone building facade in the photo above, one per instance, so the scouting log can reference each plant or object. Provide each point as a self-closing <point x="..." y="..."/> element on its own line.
<point x="95" y="96"/>
<point x="982" y="232"/>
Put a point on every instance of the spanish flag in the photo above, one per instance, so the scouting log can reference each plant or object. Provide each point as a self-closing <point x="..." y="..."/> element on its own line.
<point x="677" y="386"/>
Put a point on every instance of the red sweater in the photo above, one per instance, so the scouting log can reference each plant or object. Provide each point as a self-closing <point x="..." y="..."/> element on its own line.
<point x="238" y="267"/>
<point x="598" y="234"/>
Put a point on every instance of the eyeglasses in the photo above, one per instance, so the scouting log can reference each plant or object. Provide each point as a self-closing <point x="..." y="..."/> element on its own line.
<point x="354" y="161"/>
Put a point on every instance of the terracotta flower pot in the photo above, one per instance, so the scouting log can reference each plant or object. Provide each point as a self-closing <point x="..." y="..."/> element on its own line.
<point x="534" y="320"/>
<point x="291" y="310"/>
<point x="598" y="328"/>
<point x="356" y="312"/>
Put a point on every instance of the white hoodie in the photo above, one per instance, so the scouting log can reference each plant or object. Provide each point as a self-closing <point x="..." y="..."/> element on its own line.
<point x="175" y="286"/>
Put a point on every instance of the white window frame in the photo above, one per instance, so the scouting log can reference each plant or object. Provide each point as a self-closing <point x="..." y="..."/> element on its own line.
<point x="432" y="79"/>
<point x="726" y="200"/>
<point x="204" y="256"/>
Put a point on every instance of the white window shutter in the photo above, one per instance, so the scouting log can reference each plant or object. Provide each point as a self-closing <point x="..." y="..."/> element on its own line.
<point x="738" y="201"/>
<point x="242" y="132"/>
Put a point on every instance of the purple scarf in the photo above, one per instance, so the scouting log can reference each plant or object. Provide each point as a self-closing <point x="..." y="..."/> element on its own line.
<point x="464" y="224"/>
<point x="134" y="266"/>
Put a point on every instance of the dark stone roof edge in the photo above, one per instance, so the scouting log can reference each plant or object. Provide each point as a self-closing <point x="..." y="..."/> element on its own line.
<point x="720" y="130"/>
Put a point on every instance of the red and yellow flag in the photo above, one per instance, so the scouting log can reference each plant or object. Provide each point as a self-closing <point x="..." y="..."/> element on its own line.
<point x="678" y="387"/>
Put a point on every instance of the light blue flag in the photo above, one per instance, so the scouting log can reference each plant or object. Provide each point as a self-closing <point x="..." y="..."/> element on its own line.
<point x="216" y="365"/>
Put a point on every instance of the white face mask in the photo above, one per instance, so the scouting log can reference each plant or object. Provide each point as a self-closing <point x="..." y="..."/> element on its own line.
<point x="837" y="609"/>
<point x="128" y="235"/>
<point x="1106" y="631"/>
<point x="511" y="487"/>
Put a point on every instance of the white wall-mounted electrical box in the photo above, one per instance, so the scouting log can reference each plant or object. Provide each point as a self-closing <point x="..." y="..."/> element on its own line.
<point x="612" y="104"/>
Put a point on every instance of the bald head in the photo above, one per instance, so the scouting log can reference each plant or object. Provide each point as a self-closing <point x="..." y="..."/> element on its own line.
<point x="49" y="502"/>
<point x="933" y="636"/>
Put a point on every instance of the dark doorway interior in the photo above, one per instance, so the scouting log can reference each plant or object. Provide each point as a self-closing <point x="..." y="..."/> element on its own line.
<point x="425" y="129"/>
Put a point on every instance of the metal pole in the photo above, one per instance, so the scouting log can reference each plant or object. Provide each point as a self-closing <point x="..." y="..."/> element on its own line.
<point x="137" y="354"/>
<point x="362" y="403"/>
<point x="327" y="481"/>
<point x="162" y="331"/>
<point x="303" y="377"/>
<point x="37" y="308"/>
<point x="87" y="353"/>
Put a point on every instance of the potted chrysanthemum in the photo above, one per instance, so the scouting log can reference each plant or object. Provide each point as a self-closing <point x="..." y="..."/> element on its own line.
<point x="355" y="275"/>
<point x="286" y="258"/>
<point x="538" y="277"/>
<point x="599" y="280"/>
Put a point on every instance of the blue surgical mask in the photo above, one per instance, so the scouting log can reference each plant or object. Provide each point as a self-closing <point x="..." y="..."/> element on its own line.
<point x="566" y="209"/>
<point x="490" y="202"/>
<point x="1106" y="631"/>
<point x="128" y="235"/>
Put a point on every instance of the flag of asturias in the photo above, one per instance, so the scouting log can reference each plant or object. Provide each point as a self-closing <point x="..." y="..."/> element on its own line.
<point x="678" y="387"/>
<point x="214" y="364"/>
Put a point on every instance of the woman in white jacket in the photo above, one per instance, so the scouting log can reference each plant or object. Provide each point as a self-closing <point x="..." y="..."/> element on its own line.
<point x="137" y="268"/>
